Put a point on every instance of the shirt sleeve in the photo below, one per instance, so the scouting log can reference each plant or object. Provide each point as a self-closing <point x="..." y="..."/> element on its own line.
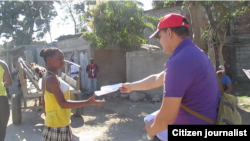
<point x="178" y="77"/>
<point x="228" y="80"/>
<point x="87" y="68"/>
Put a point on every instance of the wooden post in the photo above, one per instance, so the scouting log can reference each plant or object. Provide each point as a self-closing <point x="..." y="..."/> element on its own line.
<point x="78" y="83"/>
<point x="23" y="83"/>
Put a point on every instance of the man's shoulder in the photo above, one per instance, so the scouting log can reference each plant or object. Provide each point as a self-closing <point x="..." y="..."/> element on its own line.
<point x="76" y="67"/>
<point x="174" y="63"/>
<point x="187" y="54"/>
<point x="192" y="51"/>
<point x="227" y="77"/>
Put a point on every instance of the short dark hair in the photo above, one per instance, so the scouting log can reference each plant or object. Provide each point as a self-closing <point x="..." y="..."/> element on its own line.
<point x="48" y="52"/>
<point x="181" y="31"/>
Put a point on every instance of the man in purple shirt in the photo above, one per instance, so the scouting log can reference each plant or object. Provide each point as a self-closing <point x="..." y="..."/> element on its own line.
<point x="189" y="78"/>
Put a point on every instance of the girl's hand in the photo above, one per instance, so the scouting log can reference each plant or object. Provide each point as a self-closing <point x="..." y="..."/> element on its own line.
<point x="92" y="101"/>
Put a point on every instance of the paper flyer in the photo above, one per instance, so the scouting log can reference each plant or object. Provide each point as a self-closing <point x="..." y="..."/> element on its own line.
<point x="108" y="89"/>
<point x="151" y="116"/>
<point x="247" y="72"/>
<point x="162" y="135"/>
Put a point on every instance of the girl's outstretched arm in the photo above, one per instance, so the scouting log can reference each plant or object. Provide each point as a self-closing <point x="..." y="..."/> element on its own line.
<point x="52" y="85"/>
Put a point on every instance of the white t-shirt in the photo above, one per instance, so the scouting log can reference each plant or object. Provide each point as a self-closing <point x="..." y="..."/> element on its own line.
<point x="73" y="68"/>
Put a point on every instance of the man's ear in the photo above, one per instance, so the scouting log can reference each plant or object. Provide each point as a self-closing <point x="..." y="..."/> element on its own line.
<point x="170" y="33"/>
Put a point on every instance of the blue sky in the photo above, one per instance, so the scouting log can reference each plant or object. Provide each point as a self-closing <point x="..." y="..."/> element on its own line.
<point x="57" y="30"/>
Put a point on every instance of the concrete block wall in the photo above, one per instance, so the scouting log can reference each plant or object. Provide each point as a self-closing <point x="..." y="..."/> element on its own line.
<point x="31" y="53"/>
<point x="242" y="62"/>
<point x="40" y="60"/>
<point x="112" y="65"/>
<point x="141" y="64"/>
<point x="76" y="42"/>
<point x="238" y="43"/>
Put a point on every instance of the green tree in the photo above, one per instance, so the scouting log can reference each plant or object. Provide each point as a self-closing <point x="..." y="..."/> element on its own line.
<point x="8" y="45"/>
<point x="75" y="11"/>
<point x="218" y="16"/>
<point x="20" y="20"/>
<point x="165" y="3"/>
<point x="118" y="24"/>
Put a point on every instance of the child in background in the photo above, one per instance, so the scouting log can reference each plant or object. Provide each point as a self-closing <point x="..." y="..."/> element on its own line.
<point x="56" y="99"/>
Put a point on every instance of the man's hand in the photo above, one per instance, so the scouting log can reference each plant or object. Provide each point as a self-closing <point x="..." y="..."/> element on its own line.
<point x="229" y="88"/>
<point x="150" y="122"/>
<point x="92" y="101"/>
<point x="148" y="126"/>
<point x="126" y="88"/>
<point x="149" y="130"/>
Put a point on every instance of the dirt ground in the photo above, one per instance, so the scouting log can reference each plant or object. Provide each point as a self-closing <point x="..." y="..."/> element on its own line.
<point x="116" y="120"/>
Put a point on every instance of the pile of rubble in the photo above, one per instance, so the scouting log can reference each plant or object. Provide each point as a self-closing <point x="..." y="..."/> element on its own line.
<point x="140" y="96"/>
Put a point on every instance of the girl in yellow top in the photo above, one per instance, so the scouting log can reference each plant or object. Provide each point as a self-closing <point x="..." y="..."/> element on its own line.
<point x="56" y="99"/>
<point x="4" y="103"/>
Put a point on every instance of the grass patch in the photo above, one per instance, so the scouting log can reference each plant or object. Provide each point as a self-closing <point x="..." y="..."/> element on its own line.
<point x="243" y="97"/>
<point x="244" y="102"/>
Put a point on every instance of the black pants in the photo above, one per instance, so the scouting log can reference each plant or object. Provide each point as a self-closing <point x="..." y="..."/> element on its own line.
<point x="5" y="114"/>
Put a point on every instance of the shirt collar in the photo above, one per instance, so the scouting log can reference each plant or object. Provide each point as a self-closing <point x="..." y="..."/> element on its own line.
<point x="180" y="46"/>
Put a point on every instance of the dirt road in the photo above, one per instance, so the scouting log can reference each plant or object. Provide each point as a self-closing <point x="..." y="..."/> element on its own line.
<point x="117" y="120"/>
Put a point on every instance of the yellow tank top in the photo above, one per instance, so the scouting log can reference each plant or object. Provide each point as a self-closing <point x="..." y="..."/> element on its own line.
<point x="2" y="88"/>
<point x="55" y="115"/>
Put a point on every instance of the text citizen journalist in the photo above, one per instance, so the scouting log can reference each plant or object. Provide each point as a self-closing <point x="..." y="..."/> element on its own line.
<point x="185" y="132"/>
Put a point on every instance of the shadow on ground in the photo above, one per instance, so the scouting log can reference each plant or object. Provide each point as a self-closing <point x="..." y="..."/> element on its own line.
<point x="77" y="121"/>
<point x="30" y="129"/>
<point x="121" y="120"/>
<point x="245" y="115"/>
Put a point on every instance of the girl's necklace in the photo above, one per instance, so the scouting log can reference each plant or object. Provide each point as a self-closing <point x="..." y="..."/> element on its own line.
<point x="52" y="72"/>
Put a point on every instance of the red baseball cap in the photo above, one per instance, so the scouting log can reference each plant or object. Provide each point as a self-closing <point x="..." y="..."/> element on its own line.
<point x="170" y="20"/>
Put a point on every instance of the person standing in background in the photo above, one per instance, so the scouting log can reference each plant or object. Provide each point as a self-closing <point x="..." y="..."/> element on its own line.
<point x="92" y="69"/>
<point x="74" y="70"/>
<point x="225" y="80"/>
<point x="4" y="107"/>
